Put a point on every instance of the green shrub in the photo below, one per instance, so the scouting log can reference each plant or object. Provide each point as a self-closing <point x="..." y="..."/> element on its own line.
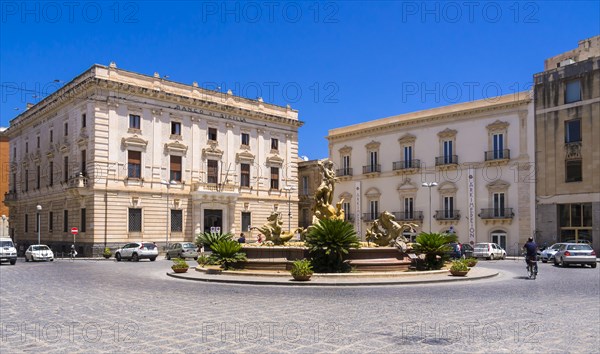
<point x="328" y="243"/>
<point x="107" y="252"/>
<point x="203" y="260"/>
<point x="459" y="265"/>
<point x="435" y="247"/>
<point x="226" y="253"/>
<point x="301" y="268"/>
<point x="179" y="263"/>
<point x="208" y="239"/>
<point x="471" y="262"/>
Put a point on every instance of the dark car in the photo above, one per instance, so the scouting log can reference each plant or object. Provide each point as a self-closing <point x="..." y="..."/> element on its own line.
<point x="460" y="250"/>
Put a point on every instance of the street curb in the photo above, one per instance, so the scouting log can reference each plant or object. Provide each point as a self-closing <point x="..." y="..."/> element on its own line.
<point x="290" y="282"/>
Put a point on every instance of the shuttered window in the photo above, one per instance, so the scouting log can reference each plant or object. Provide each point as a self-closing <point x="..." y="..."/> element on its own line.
<point x="175" y="168"/>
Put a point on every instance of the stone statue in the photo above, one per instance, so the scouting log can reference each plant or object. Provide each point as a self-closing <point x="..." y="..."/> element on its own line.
<point x="272" y="230"/>
<point x="323" y="208"/>
<point x="386" y="231"/>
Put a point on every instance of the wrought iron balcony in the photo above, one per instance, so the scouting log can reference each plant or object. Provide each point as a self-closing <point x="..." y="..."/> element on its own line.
<point x="446" y="160"/>
<point x="497" y="213"/>
<point x="408" y="215"/>
<point x="78" y="181"/>
<point x="344" y="172"/>
<point x="10" y="196"/>
<point x="349" y="218"/>
<point x="573" y="150"/>
<point x="447" y="214"/>
<point x="371" y="169"/>
<point x="406" y="164"/>
<point x="497" y="155"/>
<point x="370" y="216"/>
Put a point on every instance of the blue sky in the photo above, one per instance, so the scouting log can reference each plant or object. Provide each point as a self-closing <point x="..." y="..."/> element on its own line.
<point x="338" y="63"/>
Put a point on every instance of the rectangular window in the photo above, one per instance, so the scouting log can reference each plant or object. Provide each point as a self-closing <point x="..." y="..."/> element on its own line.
<point x="274" y="144"/>
<point x="573" y="131"/>
<point x="448" y="207"/>
<point x="212" y="134"/>
<point x="175" y="168"/>
<point x="15" y="153"/>
<point x="66" y="168"/>
<point x="373" y="161"/>
<point x="134" y="164"/>
<point x="26" y="223"/>
<point x="83" y="162"/>
<point x="83" y="120"/>
<point x="448" y="151"/>
<point x="274" y="177"/>
<point x="82" y="221"/>
<point x="374" y="209"/>
<point x="573" y="91"/>
<point x="408" y="208"/>
<point x="245" y="175"/>
<point x="498" y="204"/>
<point x="51" y="135"/>
<point x="50" y="221"/>
<point x="498" y="142"/>
<point x="346" y="164"/>
<point x="346" y="209"/>
<point x="65" y="221"/>
<point x="135" y="220"/>
<point x="304" y="185"/>
<point x="573" y="171"/>
<point x="14" y="175"/>
<point x="66" y="126"/>
<point x="38" y="142"/>
<point x="175" y="128"/>
<point x="51" y="174"/>
<point x="245" y="139"/>
<point x="134" y="121"/>
<point x="246" y="221"/>
<point x="27" y="147"/>
<point x="176" y="220"/>
<point x="212" y="171"/>
<point x="26" y="180"/>
<point x="38" y="177"/>
<point x="408" y="157"/>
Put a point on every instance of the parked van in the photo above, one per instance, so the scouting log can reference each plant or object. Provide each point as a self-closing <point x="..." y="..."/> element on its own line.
<point x="8" y="252"/>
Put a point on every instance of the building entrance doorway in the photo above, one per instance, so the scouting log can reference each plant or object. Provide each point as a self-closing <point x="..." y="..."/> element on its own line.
<point x="213" y="218"/>
<point x="500" y="239"/>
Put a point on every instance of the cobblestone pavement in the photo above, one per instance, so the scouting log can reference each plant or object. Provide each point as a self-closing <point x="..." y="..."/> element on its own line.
<point x="105" y="306"/>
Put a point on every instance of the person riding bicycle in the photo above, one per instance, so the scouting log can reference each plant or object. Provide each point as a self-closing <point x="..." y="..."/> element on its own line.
<point x="73" y="252"/>
<point x="531" y="256"/>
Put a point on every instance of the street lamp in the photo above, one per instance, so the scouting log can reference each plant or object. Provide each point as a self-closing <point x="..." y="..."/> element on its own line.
<point x="429" y="185"/>
<point x="39" y="209"/>
<point x="3" y="227"/>
<point x="168" y="184"/>
<point x="289" y="190"/>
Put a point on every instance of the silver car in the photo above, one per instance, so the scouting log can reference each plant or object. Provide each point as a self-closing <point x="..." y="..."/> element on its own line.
<point x="137" y="250"/>
<point x="39" y="253"/>
<point x="575" y="253"/>
<point x="548" y="253"/>
<point x="182" y="250"/>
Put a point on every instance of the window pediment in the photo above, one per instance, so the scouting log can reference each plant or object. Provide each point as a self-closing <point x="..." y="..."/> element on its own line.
<point x="498" y="186"/>
<point x="407" y="139"/>
<point x="345" y="196"/>
<point x="274" y="160"/>
<point x="373" y="193"/>
<point x="212" y="151"/>
<point x="176" y="148"/>
<point x="497" y="126"/>
<point x="447" y="133"/>
<point x="407" y="187"/>
<point x="346" y="150"/>
<point x="244" y="156"/>
<point x="373" y="145"/>
<point x="447" y="188"/>
<point x="134" y="142"/>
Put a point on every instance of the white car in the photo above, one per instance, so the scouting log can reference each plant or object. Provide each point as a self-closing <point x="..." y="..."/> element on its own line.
<point x="8" y="253"/>
<point x="488" y="250"/>
<point x="137" y="250"/>
<point x="39" y="253"/>
<point x="548" y="253"/>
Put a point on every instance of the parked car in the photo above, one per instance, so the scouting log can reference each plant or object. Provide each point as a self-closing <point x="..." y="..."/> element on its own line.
<point x="182" y="250"/>
<point x="137" y="250"/>
<point x="39" y="253"/>
<point x="548" y="253"/>
<point x="488" y="250"/>
<point x="460" y="250"/>
<point x="8" y="252"/>
<point x="575" y="253"/>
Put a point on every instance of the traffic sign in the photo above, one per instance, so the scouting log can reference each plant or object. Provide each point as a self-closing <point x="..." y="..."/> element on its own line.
<point x="74" y="231"/>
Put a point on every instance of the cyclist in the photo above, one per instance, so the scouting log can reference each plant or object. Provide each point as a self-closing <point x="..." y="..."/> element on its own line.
<point x="531" y="254"/>
<point x="73" y="253"/>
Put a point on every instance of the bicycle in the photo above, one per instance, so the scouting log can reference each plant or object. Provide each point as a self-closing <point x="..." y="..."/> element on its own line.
<point x="532" y="267"/>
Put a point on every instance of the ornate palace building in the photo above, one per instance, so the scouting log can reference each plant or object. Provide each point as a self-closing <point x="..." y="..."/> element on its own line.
<point x="466" y="167"/>
<point x="128" y="157"/>
<point x="567" y="118"/>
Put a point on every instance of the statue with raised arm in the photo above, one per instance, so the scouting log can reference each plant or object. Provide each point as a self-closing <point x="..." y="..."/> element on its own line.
<point x="386" y="231"/>
<point x="323" y="208"/>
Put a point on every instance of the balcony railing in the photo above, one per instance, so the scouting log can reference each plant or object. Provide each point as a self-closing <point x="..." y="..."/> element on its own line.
<point x="573" y="150"/>
<point x="344" y="172"/>
<point x="497" y="213"/>
<point x="78" y="181"/>
<point x="497" y="155"/>
<point x="406" y="164"/>
<point x="10" y="196"/>
<point x="215" y="187"/>
<point x="446" y="160"/>
<point x="349" y="218"/>
<point x="370" y="216"/>
<point x="447" y="214"/>
<point x="371" y="169"/>
<point x="408" y="215"/>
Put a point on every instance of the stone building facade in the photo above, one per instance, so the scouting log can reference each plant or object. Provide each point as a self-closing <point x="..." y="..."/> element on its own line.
<point x="464" y="168"/>
<point x="567" y="116"/>
<point x="4" y="173"/>
<point x="128" y="157"/>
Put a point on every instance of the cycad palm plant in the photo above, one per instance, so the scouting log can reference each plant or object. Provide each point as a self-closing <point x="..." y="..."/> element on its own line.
<point x="328" y="242"/>
<point x="209" y="238"/>
<point x="435" y="247"/>
<point x="226" y="253"/>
